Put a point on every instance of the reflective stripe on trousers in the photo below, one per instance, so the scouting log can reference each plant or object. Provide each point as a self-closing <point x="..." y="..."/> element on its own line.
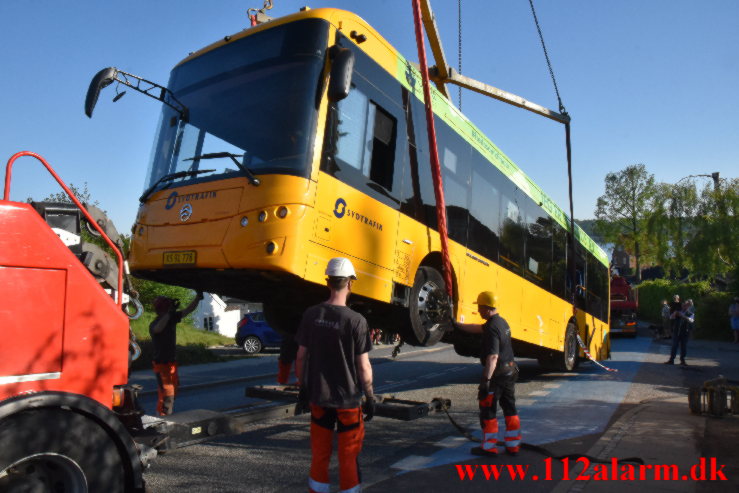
<point x="167" y="382"/>
<point x="349" y="426"/>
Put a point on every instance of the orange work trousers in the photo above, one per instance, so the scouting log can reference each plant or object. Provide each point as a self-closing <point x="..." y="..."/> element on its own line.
<point x="349" y="426"/>
<point x="167" y="383"/>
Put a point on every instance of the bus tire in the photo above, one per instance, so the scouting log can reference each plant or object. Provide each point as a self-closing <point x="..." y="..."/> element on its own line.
<point x="427" y="309"/>
<point x="568" y="360"/>
<point x="52" y="449"/>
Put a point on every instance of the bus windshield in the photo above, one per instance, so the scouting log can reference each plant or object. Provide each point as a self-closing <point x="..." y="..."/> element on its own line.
<point x="255" y="98"/>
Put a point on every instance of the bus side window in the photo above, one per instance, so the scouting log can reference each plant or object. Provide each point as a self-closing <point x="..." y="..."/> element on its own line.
<point x="366" y="138"/>
<point x="383" y="148"/>
<point x="511" y="235"/>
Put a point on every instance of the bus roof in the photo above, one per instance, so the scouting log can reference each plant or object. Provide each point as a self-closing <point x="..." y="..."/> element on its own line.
<point x="405" y="72"/>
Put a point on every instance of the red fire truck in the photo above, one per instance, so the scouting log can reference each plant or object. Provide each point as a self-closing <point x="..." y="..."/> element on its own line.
<point x="624" y="304"/>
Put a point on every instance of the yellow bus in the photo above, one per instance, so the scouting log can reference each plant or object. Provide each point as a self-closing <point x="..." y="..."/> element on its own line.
<point x="303" y="139"/>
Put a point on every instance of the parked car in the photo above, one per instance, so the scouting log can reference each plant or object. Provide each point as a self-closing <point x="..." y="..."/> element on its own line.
<point x="253" y="334"/>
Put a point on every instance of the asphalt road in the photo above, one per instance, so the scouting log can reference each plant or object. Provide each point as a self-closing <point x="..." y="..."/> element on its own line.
<point x="274" y="456"/>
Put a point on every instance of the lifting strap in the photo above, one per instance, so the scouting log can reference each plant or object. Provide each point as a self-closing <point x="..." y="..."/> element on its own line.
<point x="433" y="152"/>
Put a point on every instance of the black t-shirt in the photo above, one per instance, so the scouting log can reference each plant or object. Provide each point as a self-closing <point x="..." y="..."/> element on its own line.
<point x="334" y="336"/>
<point x="165" y="342"/>
<point x="496" y="339"/>
<point x="675" y="306"/>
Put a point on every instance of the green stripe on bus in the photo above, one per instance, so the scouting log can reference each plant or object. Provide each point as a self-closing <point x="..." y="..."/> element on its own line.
<point x="406" y="73"/>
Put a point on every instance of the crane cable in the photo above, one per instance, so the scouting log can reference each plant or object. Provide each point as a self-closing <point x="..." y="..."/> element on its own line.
<point x="569" y="153"/>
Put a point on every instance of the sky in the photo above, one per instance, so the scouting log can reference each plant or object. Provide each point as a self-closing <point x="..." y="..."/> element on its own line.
<point x="645" y="81"/>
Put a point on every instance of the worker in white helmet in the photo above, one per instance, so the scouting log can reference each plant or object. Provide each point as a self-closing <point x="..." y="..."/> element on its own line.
<point x="333" y="369"/>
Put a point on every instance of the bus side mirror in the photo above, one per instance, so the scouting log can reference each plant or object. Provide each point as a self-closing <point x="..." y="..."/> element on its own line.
<point x="342" y="67"/>
<point x="102" y="79"/>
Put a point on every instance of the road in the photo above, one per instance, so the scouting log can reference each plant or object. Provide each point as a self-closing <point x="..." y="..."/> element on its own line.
<point x="274" y="456"/>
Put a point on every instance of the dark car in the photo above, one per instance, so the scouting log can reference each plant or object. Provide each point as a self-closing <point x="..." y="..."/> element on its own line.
<point x="253" y="334"/>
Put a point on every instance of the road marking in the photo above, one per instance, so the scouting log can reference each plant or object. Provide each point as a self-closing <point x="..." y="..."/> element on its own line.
<point x="552" y="385"/>
<point x="451" y="441"/>
<point x="411" y="463"/>
<point x="525" y="402"/>
<point x="539" y="393"/>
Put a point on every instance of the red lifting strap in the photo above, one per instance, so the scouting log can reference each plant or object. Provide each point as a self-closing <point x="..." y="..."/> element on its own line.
<point x="435" y="166"/>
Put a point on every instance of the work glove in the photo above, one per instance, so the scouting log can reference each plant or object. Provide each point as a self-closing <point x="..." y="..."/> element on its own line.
<point x="483" y="390"/>
<point x="368" y="407"/>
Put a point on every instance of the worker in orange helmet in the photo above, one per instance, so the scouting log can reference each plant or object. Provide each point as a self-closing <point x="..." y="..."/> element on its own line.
<point x="498" y="379"/>
<point x="333" y="368"/>
<point x="163" y="331"/>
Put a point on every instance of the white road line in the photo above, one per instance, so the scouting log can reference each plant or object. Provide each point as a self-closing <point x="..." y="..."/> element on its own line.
<point x="525" y="402"/>
<point x="411" y="463"/>
<point x="552" y="385"/>
<point x="538" y="393"/>
<point x="451" y="442"/>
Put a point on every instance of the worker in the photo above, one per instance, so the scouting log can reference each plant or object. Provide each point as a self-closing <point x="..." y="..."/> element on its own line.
<point x="498" y="379"/>
<point x="333" y="368"/>
<point x="163" y="331"/>
<point x="288" y="353"/>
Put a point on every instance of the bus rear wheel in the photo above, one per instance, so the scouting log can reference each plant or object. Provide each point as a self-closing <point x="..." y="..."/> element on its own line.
<point x="566" y="360"/>
<point x="428" y="309"/>
<point x="58" y="450"/>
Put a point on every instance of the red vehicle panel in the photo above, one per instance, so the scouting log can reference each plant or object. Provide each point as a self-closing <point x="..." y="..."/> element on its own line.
<point x="59" y="332"/>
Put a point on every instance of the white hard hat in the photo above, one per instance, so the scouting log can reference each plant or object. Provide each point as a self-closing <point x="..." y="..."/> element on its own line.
<point x="340" y="267"/>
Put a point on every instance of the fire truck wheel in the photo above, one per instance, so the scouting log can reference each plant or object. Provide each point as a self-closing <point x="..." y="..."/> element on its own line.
<point x="58" y="450"/>
<point x="427" y="308"/>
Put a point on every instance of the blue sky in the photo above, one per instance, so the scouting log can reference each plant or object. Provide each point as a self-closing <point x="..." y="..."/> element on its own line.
<point x="653" y="82"/>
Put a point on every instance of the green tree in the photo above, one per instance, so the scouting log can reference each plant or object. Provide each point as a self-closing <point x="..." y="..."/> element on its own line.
<point x="623" y="211"/>
<point x="671" y="224"/>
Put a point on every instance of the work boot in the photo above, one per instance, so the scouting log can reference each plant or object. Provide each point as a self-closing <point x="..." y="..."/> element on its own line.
<point x="683" y="363"/>
<point x="670" y="362"/>
<point x="483" y="453"/>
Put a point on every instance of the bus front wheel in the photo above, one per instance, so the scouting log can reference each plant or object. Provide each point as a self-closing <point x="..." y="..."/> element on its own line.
<point x="566" y="360"/>
<point x="428" y="308"/>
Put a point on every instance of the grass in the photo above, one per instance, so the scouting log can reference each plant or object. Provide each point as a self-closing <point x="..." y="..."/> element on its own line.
<point x="192" y="343"/>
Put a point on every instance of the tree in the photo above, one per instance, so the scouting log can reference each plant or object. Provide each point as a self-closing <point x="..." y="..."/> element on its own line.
<point x="622" y="212"/>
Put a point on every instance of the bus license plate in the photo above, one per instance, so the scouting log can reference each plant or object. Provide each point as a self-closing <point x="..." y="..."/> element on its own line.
<point x="179" y="258"/>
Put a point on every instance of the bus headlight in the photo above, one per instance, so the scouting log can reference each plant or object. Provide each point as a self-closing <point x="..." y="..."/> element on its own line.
<point x="244" y="221"/>
<point x="282" y="212"/>
<point x="271" y="248"/>
<point x="262" y="216"/>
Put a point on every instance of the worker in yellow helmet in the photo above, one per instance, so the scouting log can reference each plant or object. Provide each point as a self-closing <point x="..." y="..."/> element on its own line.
<point x="498" y="379"/>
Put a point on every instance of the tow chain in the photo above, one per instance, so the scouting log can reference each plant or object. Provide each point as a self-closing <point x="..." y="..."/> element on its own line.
<point x="536" y="448"/>
<point x="587" y="353"/>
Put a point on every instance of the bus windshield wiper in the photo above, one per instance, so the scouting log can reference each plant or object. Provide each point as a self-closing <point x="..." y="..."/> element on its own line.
<point x="215" y="155"/>
<point x="170" y="177"/>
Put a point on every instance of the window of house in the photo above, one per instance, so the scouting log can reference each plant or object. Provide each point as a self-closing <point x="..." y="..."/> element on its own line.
<point x="208" y="323"/>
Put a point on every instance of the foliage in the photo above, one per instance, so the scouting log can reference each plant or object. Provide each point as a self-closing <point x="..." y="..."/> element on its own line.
<point x="696" y="231"/>
<point x="82" y="194"/>
<point x="192" y="343"/>
<point x="149" y="290"/>
<point x="622" y="211"/>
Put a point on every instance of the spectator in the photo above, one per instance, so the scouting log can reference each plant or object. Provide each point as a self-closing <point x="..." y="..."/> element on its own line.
<point x="734" y="317"/>
<point x="686" y="318"/>
<point x="666" y="332"/>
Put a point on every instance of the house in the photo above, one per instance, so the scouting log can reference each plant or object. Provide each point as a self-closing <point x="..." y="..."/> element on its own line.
<point x="221" y="315"/>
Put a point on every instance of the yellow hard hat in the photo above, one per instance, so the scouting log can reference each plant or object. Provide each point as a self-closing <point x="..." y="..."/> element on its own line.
<point x="486" y="298"/>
